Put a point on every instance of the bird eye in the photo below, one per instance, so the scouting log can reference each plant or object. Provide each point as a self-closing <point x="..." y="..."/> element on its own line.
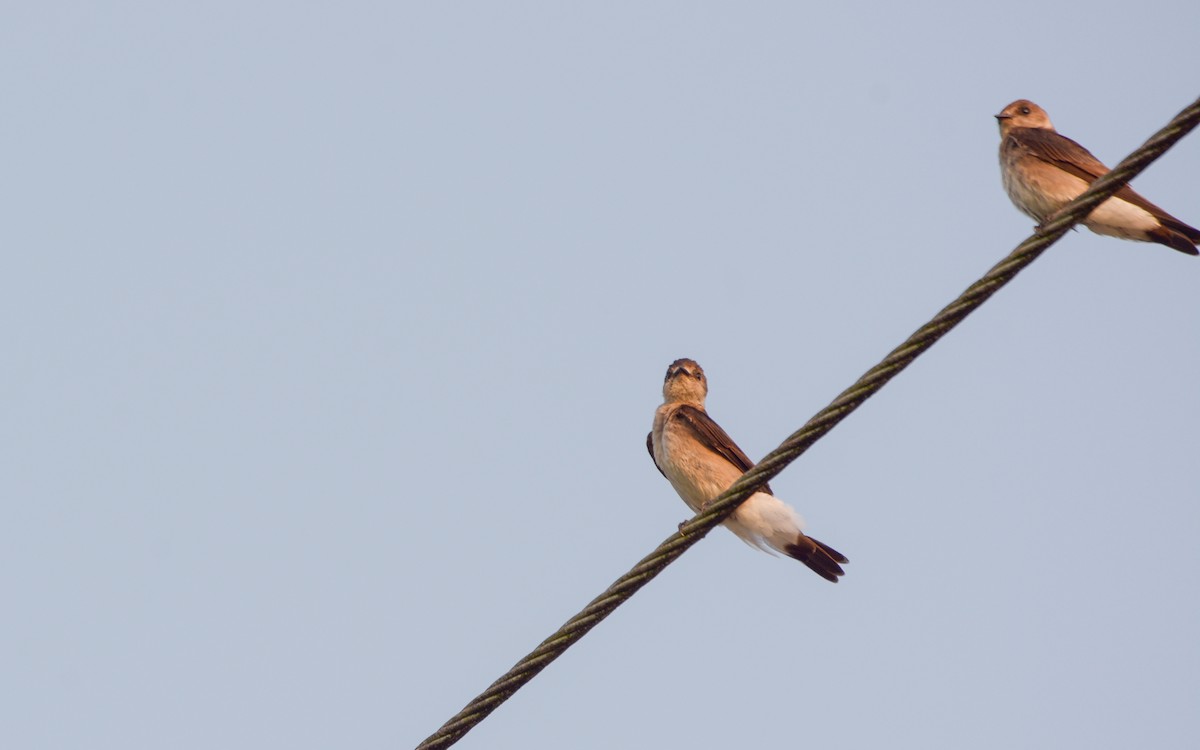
<point x="1025" y="110"/>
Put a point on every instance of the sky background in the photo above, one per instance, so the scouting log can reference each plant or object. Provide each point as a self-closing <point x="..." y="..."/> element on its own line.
<point x="332" y="334"/>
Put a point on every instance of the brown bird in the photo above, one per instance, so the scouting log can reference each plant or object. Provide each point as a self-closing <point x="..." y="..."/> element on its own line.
<point x="1043" y="171"/>
<point x="700" y="461"/>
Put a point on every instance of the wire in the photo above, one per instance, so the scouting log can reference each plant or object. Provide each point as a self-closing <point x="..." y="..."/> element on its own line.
<point x="824" y="421"/>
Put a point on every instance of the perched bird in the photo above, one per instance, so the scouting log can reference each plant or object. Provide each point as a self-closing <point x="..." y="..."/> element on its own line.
<point x="701" y="461"/>
<point x="1043" y="171"/>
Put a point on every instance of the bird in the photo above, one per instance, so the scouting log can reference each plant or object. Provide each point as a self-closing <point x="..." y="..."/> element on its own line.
<point x="700" y="461"/>
<point x="1043" y="171"/>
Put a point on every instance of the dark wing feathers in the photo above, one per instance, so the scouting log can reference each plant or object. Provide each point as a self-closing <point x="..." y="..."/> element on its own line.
<point x="1060" y="151"/>
<point x="650" y="447"/>
<point x="711" y="436"/>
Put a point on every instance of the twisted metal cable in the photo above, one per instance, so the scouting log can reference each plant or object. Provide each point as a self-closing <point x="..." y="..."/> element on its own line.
<point x="824" y="421"/>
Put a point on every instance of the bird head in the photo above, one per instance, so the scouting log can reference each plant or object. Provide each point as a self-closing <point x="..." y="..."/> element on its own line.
<point x="1023" y="114"/>
<point x="685" y="382"/>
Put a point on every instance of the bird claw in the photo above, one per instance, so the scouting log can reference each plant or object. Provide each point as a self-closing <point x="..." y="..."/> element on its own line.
<point x="1037" y="229"/>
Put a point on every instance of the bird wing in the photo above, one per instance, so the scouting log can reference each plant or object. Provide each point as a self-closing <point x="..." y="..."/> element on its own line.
<point x="1060" y="151"/>
<point x="710" y="435"/>
<point x="650" y="447"/>
<point x="1069" y="156"/>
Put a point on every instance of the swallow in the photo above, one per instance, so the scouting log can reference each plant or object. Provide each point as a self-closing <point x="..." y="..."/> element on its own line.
<point x="700" y="461"/>
<point x="1043" y="171"/>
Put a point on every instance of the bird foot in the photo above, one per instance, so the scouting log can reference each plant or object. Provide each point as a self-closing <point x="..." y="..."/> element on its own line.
<point x="1040" y="227"/>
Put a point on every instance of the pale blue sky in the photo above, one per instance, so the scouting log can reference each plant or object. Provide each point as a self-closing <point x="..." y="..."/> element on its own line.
<point x="333" y="333"/>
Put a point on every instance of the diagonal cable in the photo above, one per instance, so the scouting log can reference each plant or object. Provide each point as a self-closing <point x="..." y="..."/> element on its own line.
<point x="824" y="421"/>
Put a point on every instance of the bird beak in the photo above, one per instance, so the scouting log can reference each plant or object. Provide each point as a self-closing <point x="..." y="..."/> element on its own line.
<point x="1003" y="116"/>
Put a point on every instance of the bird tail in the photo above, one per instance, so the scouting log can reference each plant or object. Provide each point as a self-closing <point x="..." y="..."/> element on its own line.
<point x="1177" y="226"/>
<point x="818" y="556"/>
<point x="1178" y="236"/>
